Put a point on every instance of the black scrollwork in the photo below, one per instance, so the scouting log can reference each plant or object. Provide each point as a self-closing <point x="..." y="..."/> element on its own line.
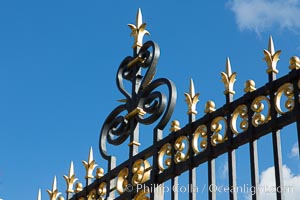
<point x="144" y="104"/>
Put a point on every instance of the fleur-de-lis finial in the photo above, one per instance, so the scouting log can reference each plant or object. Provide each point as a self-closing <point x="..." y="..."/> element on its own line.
<point x="192" y="99"/>
<point x="39" y="195"/>
<point x="53" y="194"/>
<point x="228" y="78"/>
<point x="139" y="30"/>
<point x="271" y="57"/>
<point x="70" y="180"/>
<point x="90" y="165"/>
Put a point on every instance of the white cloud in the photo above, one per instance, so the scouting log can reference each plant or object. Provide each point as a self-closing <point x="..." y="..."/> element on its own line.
<point x="262" y="15"/>
<point x="291" y="184"/>
<point x="295" y="151"/>
<point x="224" y="170"/>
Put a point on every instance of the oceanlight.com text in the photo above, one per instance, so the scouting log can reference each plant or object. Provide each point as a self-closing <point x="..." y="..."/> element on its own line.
<point x="245" y="188"/>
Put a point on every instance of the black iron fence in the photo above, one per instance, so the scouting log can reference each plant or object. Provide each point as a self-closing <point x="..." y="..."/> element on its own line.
<point x="143" y="175"/>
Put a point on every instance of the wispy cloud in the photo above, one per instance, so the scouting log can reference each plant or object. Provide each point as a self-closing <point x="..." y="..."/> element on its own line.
<point x="224" y="170"/>
<point x="291" y="187"/>
<point x="295" y="151"/>
<point x="262" y="15"/>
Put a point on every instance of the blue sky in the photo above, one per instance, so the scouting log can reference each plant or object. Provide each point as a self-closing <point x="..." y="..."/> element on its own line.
<point x="58" y="61"/>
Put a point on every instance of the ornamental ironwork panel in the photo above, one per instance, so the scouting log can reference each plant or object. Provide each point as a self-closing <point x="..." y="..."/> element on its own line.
<point x="260" y="111"/>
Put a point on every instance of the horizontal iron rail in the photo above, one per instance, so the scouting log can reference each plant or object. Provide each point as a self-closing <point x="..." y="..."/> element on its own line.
<point x="251" y="134"/>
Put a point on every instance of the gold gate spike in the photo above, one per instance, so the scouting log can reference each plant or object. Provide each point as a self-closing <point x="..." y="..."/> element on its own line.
<point x="139" y="30"/>
<point x="228" y="78"/>
<point x="192" y="99"/>
<point x="70" y="180"/>
<point x="53" y="194"/>
<point x="90" y="165"/>
<point x="271" y="57"/>
<point x="39" y="195"/>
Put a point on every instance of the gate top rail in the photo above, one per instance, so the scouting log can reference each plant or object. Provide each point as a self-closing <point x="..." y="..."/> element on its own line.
<point x="240" y="121"/>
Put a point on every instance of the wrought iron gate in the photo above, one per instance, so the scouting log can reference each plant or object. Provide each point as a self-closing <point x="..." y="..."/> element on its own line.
<point x="258" y="112"/>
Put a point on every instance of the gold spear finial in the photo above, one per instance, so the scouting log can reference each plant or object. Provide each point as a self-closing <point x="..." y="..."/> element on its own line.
<point x="192" y="99"/>
<point x="228" y="78"/>
<point x="271" y="45"/>
<point x="70" y="180"/>
<point x="139" y="30"/>
<point x="53" y="194"/>
<point x="39" y="195"/>
<point x="271" y="57"/>
<point x="90" y="165"/>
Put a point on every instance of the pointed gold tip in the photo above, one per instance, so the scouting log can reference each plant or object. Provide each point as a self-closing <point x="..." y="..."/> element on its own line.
<point x="228" y="67"/>
<point x="271" y="46"/>
<point x="71" y="170"/>
<point x="39" y="195"/>
<point x="192" y="88"/>
<point x="54" y="185"/>
<point x="91" y="155"/>
<point x="139" y="18"/>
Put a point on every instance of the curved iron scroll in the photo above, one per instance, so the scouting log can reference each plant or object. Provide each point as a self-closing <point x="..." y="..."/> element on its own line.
<point x="144" y="104"/>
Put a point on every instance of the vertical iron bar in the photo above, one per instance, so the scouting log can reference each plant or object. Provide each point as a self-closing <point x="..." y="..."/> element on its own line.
<point x="231" y="155"/>
<point x="192" y="171"/>
<point x="297" y="108"/>
<point x="134" y="138"/>
<point x="276" y="143"/>
<point x="254" y="168"/>
<point x="174" y="188"/>
<point x="158" y="192"/>
<point x="211" y="165"/>
<point x="211" y="179"/>
<point x="253" y="157"/>
<point x="174" y="180"/>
